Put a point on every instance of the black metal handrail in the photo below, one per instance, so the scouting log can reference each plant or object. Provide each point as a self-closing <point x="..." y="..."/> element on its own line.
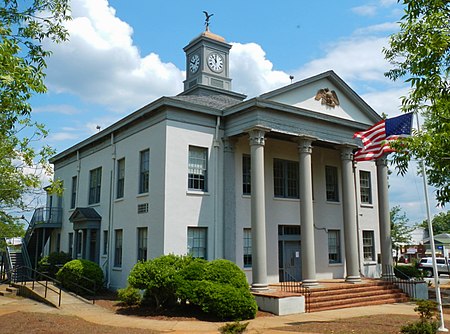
<point x="291" y="285"/>
<point x="406" y="283"/>
<point x="19" y="278"/>
<point x="91" y="292"/>
<point x="43" y="215"/>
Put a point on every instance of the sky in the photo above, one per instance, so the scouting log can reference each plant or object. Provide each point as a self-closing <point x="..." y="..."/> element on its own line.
<point x="123" y="55"/>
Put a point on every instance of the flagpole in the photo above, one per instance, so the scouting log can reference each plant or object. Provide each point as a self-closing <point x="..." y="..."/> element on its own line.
<point x="433" y="250"/>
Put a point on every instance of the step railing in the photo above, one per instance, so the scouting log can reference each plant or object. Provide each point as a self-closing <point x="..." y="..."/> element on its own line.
<point x="36" y="278"/>
<point x="414" y="287"/>
<point x="291" y="285"/>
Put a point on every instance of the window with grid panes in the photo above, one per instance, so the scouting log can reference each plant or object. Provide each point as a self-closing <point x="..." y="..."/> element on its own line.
<point x="73" y="197"/>
<point x="365" y="187"/>
<point x="334" y="246"/>
<point x="142" y="244"/>
<point x="246" y="175"/>
<point x="247" y="248"/>
<point x="120" y="178"/>
<point x="285" y="178"/>
<point x="197" y="242"/>
<point x="144" y="167"/>
<point x="95" y="185"/>
<point x="331" y="178"/>
<point x="369" y="245"/>
<point x="197" y="168"/>
<point x="118" y="240"/>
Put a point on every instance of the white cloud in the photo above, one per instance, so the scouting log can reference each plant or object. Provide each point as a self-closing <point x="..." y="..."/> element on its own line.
<point x="60" y="136"/>
<point x="367" y="10"/>
<point x="100" y="63"/>
<point x="252" y="72"/>
<point x="64" y="109"/>
<point x="390" y="27"/>
<point x="385" y="101"/>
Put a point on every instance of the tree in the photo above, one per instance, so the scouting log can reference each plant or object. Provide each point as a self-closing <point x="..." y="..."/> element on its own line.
<point x="420" y="53"/>
<point x="440" y="222"/>
<point x="24" y="28"/>
<point x="400" y="230"/>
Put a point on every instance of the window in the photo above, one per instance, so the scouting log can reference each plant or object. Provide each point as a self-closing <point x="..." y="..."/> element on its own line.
<point x="247" y="248"/>
<point x="197" y="241"/>
<point x="285" y="178"/>
<point x="142" y="244"/>
<point x="368" y="246"/>
<point x="118" y="248"/>
<point x="331" y="176"/>
<point x="73" y="198"/>
<point x="246" y="174"/>
<point x="70" y="250"/>
<point x="79" y="244"/>
<point x="105" y="242"/>
<point x="365" y="187"/>
<point x="95" y="184"/>
<point x="198" y="171"/>
<point x="334" y="246"/>
<point x="144" y="167"/>
<point x="120" y="177"/>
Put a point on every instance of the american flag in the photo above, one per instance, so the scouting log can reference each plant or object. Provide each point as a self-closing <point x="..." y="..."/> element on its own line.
<point x="376" y="139"/>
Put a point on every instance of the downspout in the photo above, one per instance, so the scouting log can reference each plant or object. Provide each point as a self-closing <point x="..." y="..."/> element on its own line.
<point x="216" y="145"/>
<point x="111" y="212"/>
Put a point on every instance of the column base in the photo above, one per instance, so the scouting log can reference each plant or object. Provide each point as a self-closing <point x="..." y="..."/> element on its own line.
<point x="309" y="282"/>
<point x="259" y="287"/>
<point x="353" y="279"/>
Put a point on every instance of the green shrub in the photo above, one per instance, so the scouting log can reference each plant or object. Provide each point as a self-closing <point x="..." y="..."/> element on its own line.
<point x="226" y="272"/>
<point x="406" y="272"/>
<point x="226" y="302"/>
<point x="426" y="324"/>
<point x="159" y="277"/>
<point x="233" y="328"/>
<point x="188" y="280"/>
<point x="51" y="263"/>
<point x="129" y="296"/>
<point x="76" y="271"/>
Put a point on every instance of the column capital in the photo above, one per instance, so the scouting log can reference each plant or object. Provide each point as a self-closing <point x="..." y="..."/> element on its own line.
<point x="382" y="162"/>
<point x="346" y="153"/>
<point x="257" y="135"/>
<point x="305" y="144"/>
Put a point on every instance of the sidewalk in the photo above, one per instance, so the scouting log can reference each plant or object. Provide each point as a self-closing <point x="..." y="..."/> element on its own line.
<point x="96" y="314"/>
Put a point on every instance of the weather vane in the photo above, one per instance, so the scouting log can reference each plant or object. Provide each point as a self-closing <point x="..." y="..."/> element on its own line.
<point x="208" y="16"/>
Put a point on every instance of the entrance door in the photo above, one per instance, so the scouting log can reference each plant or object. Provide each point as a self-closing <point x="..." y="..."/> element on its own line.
<point x="291" y="260"/>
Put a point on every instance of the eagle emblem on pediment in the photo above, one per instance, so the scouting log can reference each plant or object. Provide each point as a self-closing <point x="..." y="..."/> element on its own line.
<point x="327" y="97"/>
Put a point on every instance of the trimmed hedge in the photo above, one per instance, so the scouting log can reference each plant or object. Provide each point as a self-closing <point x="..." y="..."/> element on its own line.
<point x="129" y="296"/>
<point x="75" y="271"/>
<point x="218" y="287"/>
<point x="50" y="264"/>
<point x="407" y="272"/>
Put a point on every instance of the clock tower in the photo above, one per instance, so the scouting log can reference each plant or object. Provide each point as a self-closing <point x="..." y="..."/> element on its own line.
<point x="207" y="65"/>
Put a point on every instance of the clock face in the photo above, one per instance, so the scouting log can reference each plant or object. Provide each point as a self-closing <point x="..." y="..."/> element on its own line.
<point x="215" y="62"/>
<point x="194" y="63"/>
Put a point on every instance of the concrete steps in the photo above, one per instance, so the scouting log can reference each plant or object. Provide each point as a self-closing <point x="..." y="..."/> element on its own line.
<point x="353" y="295"/>
<point x="6" y="290"/>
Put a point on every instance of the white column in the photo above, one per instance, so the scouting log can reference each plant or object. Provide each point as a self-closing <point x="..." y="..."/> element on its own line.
<point x="258" y="210"/>
<point x="349" y="208"/>
<point x="387" y="269"/>
<point x="306" y="212"/>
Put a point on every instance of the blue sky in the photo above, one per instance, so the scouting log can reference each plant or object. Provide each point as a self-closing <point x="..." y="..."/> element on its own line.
<point x="125" y="54"/>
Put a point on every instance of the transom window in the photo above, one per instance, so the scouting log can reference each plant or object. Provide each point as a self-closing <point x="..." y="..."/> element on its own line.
<point x="331" y="176"/>
<point x="365" y="187"/>
<point x="95" y="184"/>
<point x="197" y="168"/>
<point x="334" y="246"/>
<point x="285" y="178"/>
<point x="144" y="167"/>
<point x="247" y="248"/>
<point x="197" y="241"/>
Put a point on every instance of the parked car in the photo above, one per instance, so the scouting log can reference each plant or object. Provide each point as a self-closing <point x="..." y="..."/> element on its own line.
<point x="426" y="265"/>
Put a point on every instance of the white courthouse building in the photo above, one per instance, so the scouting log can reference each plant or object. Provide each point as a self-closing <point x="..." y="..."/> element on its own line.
<point x="266" y="182"/>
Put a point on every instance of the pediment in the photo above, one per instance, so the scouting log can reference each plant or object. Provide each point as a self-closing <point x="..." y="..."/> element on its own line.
<point x="84" y="214"/>
<point x="327" y="94"/>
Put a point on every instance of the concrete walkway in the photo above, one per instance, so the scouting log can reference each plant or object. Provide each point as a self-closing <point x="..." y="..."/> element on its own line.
<point x="99" y="315"/>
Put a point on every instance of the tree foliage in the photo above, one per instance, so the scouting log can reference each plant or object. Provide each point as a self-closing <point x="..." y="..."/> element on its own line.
<point x="440" y="222"/>
<point x="420" y="54"/>
<point x="25" y="26"/>
<point x="400" y="230"/>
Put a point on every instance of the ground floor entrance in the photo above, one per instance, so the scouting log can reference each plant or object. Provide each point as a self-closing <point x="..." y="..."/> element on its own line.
<point x="289" y="253"/>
